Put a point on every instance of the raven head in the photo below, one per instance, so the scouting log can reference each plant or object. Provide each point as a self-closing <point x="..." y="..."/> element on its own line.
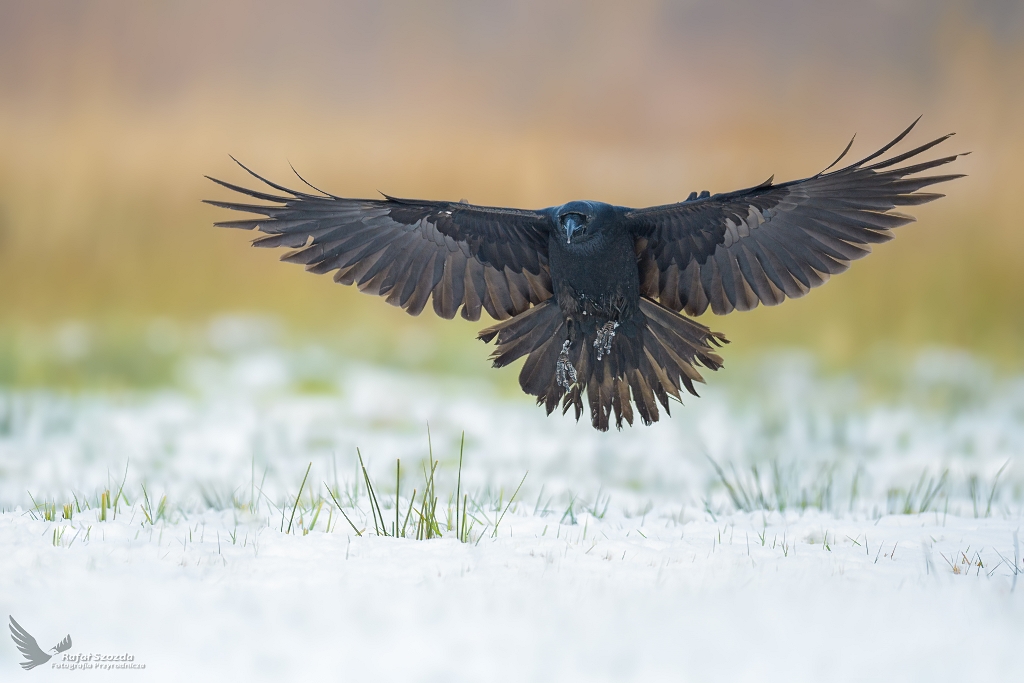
<point x="575" y="220"/>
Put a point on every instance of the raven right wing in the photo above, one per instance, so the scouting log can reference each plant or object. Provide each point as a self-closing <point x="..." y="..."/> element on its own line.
<point x="476" y="257"/>
<point x="734" y="250"/>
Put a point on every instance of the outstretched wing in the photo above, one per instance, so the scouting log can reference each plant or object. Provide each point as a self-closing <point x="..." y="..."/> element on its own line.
<point x="476" y="257"/>
<point x="762" y="244"/>
<point x="28" y="646"/>
<point x="64" y="644"/>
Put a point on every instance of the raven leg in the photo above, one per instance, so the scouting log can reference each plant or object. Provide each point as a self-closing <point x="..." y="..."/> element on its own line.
<point x="565" y="373"/>
<point x="604" y="337"/>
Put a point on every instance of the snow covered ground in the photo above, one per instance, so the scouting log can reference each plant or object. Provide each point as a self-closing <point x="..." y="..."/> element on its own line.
<point x="786" y="526"/>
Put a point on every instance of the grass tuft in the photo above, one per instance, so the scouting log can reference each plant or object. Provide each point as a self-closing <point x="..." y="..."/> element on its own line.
<point x="420" y="520"/>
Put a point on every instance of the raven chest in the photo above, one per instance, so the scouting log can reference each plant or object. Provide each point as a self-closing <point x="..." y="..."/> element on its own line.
<point x="596" y="282"/>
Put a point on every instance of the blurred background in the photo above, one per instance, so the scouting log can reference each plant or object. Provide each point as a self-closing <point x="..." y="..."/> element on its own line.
<point x="112" y="112"/>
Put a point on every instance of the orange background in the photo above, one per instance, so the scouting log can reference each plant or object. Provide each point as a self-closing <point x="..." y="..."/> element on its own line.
<point x="111" y="113"/>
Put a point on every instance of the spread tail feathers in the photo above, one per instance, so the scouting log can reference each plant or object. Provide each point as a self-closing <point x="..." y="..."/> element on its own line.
<point x="647" y="362"/>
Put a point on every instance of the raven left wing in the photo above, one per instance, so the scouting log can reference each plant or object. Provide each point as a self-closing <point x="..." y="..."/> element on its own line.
<point x="408" y="251"/>
<point x="735" y="250"/>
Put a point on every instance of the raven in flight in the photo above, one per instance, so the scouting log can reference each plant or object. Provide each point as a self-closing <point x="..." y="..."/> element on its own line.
<point x="592" y="293"/>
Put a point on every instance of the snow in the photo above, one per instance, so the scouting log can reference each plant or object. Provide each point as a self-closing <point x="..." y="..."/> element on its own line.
<point x="623" y="557"/>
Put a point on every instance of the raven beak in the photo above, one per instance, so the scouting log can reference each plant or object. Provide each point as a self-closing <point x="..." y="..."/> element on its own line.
<point x="571" y="225"/>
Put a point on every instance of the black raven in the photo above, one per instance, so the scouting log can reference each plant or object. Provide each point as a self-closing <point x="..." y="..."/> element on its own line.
<point x="592" y="293"/>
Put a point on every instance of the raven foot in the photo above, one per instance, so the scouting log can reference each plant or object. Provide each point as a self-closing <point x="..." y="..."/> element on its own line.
<point x="565" y="373"/>
<point x="605" y="335"/>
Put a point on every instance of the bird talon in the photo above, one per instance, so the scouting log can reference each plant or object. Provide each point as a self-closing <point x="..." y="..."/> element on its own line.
<point x="605" y="335"/>
<point x="565" y="373"/>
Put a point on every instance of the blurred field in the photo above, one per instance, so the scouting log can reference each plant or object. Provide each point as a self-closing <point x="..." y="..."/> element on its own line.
<point x="112" y="112"/>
